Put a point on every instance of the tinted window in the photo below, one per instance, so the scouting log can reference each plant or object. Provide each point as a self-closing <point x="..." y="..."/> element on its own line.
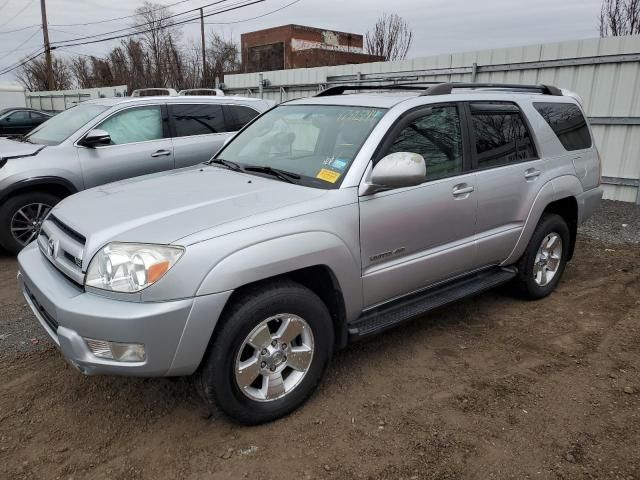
<point x="19" y="116"/>
<point x="238" y="116"/>
<point x="501" y="136"/>
<point x="197" y="119"/>
<point x="134" y="125"/>
<point x="38" y="116"/>
<point x="436" y="136"/>
<point x="568" y="123"/>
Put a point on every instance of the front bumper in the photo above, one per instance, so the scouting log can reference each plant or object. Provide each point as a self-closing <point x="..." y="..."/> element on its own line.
<point x="175" y="333"/>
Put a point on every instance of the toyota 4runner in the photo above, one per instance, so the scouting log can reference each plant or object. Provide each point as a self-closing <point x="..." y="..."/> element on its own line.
<point x="325" y="220"/>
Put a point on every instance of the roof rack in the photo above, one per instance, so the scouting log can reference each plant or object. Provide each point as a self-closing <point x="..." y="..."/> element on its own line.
<point x="340" y="89"/>
<point x="433" y="88"/>
<point x="446" y="88"/>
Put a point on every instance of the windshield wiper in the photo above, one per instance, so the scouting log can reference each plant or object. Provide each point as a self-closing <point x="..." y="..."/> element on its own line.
<point x="275" y="172"/>
<point x="225" y="163"/>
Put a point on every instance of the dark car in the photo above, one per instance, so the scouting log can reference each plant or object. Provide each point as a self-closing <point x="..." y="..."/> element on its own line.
<point x="18" y="121"/>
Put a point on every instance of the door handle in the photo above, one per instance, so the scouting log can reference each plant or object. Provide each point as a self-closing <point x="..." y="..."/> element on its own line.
<point x="161" y="153"/>
<point x="531" y="173"/>
<point x="462" y="189"/>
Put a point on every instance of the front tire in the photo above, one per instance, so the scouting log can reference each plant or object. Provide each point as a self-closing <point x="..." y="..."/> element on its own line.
<point x="544" y="260"/>
<point x="271" y="351"/>
<point x="21" y="218"/>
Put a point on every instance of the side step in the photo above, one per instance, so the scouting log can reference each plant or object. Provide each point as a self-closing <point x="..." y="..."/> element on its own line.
<point x="399" y="311"/>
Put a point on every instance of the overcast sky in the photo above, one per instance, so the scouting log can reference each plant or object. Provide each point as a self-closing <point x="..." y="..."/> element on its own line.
<point x="440" y="26"/>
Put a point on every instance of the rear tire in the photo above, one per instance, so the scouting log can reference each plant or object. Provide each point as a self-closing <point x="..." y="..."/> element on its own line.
<point x="543" y="262"/>
<point x="21" y="217"/>
<point x="269" y="354"/>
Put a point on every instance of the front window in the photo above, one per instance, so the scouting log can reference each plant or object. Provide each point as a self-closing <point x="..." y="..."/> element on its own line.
<point x="134" y="125"/>
<point x="316" y="143"/>
<point x="60" y="127"/>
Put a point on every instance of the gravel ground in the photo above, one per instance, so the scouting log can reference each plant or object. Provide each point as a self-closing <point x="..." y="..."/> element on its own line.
<point x="615" y="223"/>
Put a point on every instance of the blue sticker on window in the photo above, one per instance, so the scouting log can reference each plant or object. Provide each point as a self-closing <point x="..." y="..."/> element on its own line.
<point x="339" y="164"/>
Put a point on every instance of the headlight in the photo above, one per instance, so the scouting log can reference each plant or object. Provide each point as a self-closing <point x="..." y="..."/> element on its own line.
<point x="130" y="267"/>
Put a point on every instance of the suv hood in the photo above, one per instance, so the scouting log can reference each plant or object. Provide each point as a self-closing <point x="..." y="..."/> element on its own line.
<point x="13" y="149"/>
<point x="165" y="207"/>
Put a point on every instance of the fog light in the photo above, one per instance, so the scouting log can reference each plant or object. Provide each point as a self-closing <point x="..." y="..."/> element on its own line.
<point x="121" y="352"/>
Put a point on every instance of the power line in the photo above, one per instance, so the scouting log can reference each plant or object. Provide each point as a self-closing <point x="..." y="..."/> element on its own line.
<point x="58" y="45"/>
<point x="20" y="29"/>
<point x="23" y="62"/>
<point x="116" y="18"/>
<point x="27" y="5"/>
<point x="254" y="18"/>
<point x="9" y="52"/>
<point x="138" y="25"/>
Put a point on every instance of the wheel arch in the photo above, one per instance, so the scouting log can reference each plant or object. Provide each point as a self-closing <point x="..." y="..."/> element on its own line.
<point x="56" y="185"/>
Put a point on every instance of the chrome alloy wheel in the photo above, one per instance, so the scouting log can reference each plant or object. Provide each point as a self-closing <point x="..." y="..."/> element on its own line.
<point x="274" y="358"/>
<point x="548" y="259"/>
<point x="26" y="222"/>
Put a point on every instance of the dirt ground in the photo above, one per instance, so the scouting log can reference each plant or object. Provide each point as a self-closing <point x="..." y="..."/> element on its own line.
<point x="492" y="387"/>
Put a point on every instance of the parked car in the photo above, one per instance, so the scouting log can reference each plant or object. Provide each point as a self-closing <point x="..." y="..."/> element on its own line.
<point x="18" y="121"/>
<point x="202" y="92"/>
<point x="105" y="140"/>
<point x="326" y="220"/>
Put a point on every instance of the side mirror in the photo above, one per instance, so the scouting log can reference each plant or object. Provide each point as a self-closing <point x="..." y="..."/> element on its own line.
<point x="400" y="169"/>
<point x="95" y="138"/>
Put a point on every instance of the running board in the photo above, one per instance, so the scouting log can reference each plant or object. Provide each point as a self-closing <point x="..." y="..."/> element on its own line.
<point x="399" y="311"/>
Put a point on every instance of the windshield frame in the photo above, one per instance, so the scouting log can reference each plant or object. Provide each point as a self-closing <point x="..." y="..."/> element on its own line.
<point x="32" y="133"/>
<point x="305" y="180"/>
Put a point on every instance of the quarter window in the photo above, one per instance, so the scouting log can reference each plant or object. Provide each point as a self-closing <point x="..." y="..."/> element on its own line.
<point x="568" y="123"/>
<point x="196" y="119"/>
<point x="436" y="136"/>
<point x="134" y="125"/>
<point x="501" y="136"/>
<point x="237" y="116"/>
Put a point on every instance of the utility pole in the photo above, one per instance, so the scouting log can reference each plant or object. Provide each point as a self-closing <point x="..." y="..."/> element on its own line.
<point x="47" y="46"/>
<point x="204" y="50"/>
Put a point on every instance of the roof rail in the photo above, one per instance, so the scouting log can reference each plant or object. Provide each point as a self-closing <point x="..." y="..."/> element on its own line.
<point x="340" y="89"/>
<point x="446" y="88"/>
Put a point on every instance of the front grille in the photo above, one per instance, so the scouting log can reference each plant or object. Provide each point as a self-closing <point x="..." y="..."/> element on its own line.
<point x="47" y="317"/>
<point x="64" y="247"/>
<point x="68" y="230"/>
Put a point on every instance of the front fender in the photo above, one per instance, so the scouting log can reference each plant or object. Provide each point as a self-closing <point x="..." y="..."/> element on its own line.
<point x="281" y="255"/>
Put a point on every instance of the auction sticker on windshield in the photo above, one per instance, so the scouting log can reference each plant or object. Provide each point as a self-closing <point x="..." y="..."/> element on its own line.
<point x="328" y="175"/>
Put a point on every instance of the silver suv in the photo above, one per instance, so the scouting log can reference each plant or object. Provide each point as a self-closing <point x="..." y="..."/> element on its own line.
<point x="104" y="140"/>
<point x="325" y="220"/>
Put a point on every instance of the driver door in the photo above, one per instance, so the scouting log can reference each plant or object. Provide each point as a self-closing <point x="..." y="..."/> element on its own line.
<point x="140" y="144"/>
<point x="414" y="237"/>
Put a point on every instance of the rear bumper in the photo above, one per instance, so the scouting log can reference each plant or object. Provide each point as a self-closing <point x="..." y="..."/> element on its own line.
<point x="175" y="334"/>
<point x="588" y="203"/>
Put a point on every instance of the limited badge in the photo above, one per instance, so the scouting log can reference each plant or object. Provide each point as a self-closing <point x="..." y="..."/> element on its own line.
<point x="328" y="175"/>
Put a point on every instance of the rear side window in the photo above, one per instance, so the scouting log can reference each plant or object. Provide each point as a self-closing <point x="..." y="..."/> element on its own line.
<point x="197" y="119"/>
<point x="501" y="136"/>
<point x="237" y="116"/>
<point x="568" y="123"/>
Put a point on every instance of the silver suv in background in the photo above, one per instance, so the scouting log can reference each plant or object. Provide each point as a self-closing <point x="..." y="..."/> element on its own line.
<point x="326" y="220"/>
<point x="105" y="140"/>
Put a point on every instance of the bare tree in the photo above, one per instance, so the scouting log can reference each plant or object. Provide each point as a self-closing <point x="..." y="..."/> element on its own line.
<point x="391" y="37"/>
<point x="619" y="17"/>
<point x="223" y="55"/>
<point x="33" y="74"/>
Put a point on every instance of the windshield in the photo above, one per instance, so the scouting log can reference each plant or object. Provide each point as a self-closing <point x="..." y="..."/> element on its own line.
<point x="315" y="142"/>
<point x="61" y="126"/>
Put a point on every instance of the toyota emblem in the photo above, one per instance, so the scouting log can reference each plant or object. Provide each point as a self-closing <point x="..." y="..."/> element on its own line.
<point x="51" y="247"/>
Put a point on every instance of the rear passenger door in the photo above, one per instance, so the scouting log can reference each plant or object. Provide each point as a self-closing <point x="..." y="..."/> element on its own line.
<point x="198" y="131"/>
<point x="509" y="175"/>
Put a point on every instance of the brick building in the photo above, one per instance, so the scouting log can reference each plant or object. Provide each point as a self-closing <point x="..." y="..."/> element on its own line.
<point x="296" y="46"/>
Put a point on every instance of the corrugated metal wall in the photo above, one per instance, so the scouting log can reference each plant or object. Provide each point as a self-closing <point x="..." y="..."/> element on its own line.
<point x="604" y="72"/>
